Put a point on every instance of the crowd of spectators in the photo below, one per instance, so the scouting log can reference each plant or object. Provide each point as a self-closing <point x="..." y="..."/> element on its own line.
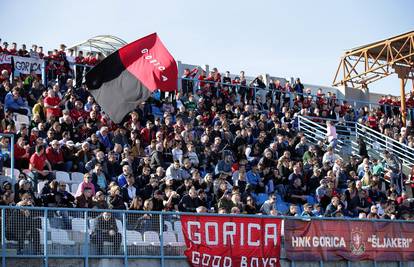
<point x="216" y="146"/>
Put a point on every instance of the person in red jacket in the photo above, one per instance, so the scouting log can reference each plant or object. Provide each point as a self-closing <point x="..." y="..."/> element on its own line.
<point x="38" y="161"/>
<point x="78" y="114"/>
<point x="55" y="156"/>
<point x="52" y="103"/>
<point x="21" y="154"/>
<point x="372" y="121"/>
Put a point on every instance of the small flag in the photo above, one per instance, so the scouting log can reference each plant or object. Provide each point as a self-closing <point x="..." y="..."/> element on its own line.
<point x="128" y="76"/>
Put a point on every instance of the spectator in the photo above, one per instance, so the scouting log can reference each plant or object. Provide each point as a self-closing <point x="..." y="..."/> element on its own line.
<point x="331" y="134"/>
<point x="14" y="102"/>
<point x="269" y="205"/>
<point x="106" y="230"/>
<point x="85" y="200"/>
<point x="38" y="161"/>
<point x="86" y="183"/>
<point x="51" y="104"/>
<point x="189" y="202"/>
<point x="55" y="156"/>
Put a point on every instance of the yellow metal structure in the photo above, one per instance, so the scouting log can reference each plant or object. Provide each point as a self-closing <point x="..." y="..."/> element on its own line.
<point x="366" y="64"/>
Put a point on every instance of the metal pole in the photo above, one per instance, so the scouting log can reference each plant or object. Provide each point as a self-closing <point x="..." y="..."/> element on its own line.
<point x="162" y="240"/>
<point x="3" y="237"/>
<point x="403" y="108"/>
<point x="44" y="78"/>
<point x="124" y="221"/>
<point x="86" y="243"/>
<point x="45" y="260"/>
<point x="12" y="157"/>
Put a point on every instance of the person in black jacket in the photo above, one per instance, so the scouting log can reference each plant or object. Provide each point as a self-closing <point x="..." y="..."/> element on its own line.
<point x="23" y="226"/>
<point x="129" y="191"/>
<point x="106" y="230"/>
<point x="190" y="202"/>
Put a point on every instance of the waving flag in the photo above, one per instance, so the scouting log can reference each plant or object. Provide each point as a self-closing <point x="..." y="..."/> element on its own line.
<point x="128" y="76"/>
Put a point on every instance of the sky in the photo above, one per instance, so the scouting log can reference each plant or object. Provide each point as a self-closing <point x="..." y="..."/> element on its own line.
<point x="283" y="38"/>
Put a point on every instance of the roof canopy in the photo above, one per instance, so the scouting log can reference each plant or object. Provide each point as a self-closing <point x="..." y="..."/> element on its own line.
<point x="106" y="44"/>
<point x="366" y="64"/>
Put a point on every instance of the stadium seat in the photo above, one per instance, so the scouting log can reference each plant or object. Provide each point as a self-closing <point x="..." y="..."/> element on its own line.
<point x="177" y="227"/>
<point x="61" y="237"/>
<point x="76" y="177"/>
<point x="171" y="239"/>
<point x="135" y="238"/>
<point x="21" y="119"/>
<point x="78" y="224"/>
<point x="62" y="176"/>
<point x="169" y="226"/>
<point x="74" y="188"/>
<point x="40" y="186"/>
<point x="7" y="172"/>
<point x="152" y="237"/>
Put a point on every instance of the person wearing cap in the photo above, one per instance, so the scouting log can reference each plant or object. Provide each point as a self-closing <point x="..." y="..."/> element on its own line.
<point x="307" y="211"/>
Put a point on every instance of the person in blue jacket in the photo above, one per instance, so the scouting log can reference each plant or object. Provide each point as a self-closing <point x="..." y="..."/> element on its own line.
<point x="14" y="102"/>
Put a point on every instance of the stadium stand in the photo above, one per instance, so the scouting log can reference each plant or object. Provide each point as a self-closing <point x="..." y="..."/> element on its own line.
<point x="222" y="143"/>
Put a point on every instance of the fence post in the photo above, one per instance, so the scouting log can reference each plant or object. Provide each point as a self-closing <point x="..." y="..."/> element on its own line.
<point x="124" y="221"/>
<point x="45" y="260"/>
<point x="162" y="240"/>
<point x="86" y="243"/>
<point x="3" y="237"/>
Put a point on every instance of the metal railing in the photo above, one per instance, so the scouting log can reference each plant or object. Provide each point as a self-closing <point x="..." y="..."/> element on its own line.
<point x="50" y="233"/>
<point x="315" y="132"/>
<point x="377" y="142"/>
<point x="291" y="95"/>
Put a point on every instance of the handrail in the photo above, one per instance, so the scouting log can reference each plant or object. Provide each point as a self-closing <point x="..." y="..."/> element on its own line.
<point x="378" y="140"/>
<point x="388" y="139"/>
<point x="318" y="126"/>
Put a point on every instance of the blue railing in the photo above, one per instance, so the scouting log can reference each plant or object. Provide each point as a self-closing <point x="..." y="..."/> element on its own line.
<point x="71" y="233"/>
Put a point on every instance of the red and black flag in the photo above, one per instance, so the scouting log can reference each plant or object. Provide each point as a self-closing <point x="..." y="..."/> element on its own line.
<point x="128" y="76"/>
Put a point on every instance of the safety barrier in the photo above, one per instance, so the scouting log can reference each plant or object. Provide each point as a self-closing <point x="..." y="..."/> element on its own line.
<point x="51" y="233"/>
<point x="377" y="142"/>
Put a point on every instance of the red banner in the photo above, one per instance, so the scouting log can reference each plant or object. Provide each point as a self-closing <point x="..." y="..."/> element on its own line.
<point x="232" y="241"/>
<point x="350" y="240"/>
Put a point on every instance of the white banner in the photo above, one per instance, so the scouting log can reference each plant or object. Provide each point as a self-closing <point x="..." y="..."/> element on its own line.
<point x="5" y="59"/>
<point x="25" y="65"/>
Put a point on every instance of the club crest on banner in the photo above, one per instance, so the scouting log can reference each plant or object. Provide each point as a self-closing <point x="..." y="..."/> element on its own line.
<point x="357" y="242"/>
